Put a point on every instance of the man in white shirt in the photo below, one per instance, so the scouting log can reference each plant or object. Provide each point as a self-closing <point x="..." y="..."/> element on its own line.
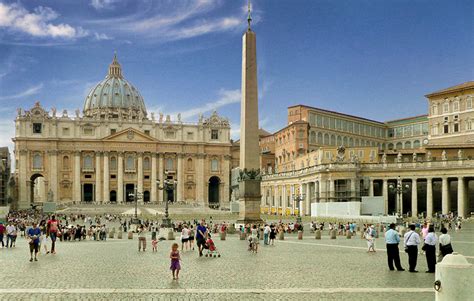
<point x="412" y="240"/>
<point x="266" y="233"/>
<point x="11" y="231"/>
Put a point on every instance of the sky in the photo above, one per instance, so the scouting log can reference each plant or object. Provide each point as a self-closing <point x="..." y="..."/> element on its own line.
<point x="370" y="58"/>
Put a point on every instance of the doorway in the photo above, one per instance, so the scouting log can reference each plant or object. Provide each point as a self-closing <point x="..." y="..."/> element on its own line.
<point x="214" y="183"/>
<point x="113" y="196"/>
<point x="88" y="192"/>
<point x="129" y="189"/>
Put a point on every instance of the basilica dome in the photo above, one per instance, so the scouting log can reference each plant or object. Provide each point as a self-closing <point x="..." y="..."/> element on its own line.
<point x="115" y="97"/>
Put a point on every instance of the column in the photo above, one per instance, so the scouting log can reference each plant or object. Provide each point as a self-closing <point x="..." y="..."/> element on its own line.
<point x="160" y="175"/>
<point x="226" y="182"/>
<point x="120" y="178"/>
<point x="292" y="198"/>
<point x="353" y="190"/>
<point x="140" y="176"/>
<point x="385" y="194"/>
<point x="283" y="200"/>
<point x="307" y="206"/>
<point x="153" y="197"/>
<point x="323" y="193"/>
<point x="98" y="181"/>
<point x="445" y="195"/>
<point x="332" y="190"/>
<point x="371" y="187"/>
<point x="414" y="198"/>
<point x="179" y="195"/>
<point x="399" y="204"/>
<point x="275" y="197"/>
<point x="200" y="184"/>
<point x="53" y="174"/>
<point x="429" y="197"/>
<point x="77" y="177"/>
<point x="317" y="195"/>
<point x="461" y="197"/>
<point x="24" y="190"/>
<point x="106" y="189"/>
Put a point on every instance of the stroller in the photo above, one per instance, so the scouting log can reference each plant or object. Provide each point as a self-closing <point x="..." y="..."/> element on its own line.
<point x="210" y="247"/>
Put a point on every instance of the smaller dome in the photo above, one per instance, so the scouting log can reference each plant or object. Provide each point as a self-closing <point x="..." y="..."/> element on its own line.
<point x="115" y="97"/>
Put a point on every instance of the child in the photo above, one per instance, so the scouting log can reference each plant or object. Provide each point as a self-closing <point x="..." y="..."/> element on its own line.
<point x="175" y="258"/>
<point x="154" y="243"/>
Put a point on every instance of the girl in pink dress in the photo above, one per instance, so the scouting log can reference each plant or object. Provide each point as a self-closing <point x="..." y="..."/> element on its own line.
<point x="175" y="258"/>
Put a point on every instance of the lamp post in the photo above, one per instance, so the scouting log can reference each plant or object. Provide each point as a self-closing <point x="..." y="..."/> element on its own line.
<point x="399" y="190"/>
<point x="299" y="198"/>
<point x="168" y="184"/>
<point x="136" y="196"/>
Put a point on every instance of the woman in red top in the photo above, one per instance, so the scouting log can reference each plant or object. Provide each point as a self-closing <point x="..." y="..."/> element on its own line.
<point x="52" y="229"/>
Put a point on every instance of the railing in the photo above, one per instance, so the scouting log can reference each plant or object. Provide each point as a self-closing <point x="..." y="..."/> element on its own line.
<point x="329" y="167"/>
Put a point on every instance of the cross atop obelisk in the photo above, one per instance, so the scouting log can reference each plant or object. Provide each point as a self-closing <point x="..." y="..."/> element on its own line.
<point x="249" y="185"/>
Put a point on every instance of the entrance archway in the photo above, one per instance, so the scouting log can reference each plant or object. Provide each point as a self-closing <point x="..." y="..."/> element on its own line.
<point x="129" y="189"/>
<point x="88" y="192"/>
<point x="146" y="196"/>
<point x="113" y="196"/>
<point x="214" y="183"/>
<point x="38" y="193"/>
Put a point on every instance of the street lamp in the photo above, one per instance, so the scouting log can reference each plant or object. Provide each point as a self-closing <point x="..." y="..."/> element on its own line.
<point x="136" y="196"/>
<point x="168" y="184"/>
<point x="299" y="198"/>
<point x="399" y="190"/>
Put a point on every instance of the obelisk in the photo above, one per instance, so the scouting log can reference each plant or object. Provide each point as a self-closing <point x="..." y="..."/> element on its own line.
<point x="249" y="185"/>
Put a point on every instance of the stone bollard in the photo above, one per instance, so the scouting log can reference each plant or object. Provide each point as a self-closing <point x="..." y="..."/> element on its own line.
<point x="318" y="234"/>
<point x="112" y="233"/>
<point x="300" y="235"/>
<point x="281" y="235"/>
<point x="348" y="234"/>
<point x="130" y="235"/>
<point x="453" y="278"/>
<point x="333" y="234"/>
<point x="242" y="236"/>
<point x="119" y="235"/>
<point x="170" y="234"/>
<point x="231" y="229"/>
<point x="222" y="235"/>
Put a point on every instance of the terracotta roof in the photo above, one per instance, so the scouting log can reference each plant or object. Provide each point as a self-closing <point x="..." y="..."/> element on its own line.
<point x="338" y="113"/>
<point x="457" y="88"/>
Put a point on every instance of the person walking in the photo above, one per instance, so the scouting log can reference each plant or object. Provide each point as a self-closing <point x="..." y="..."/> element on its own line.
<point x="392" y="239"/>
<point x="2" y="233"/>
<point x="185" y="238"/>
<point x="201" y="235"/>
<point x="445" y="246"/>
<point x="11" y="231"/>
<point x="266" y="234"/>
<point x="370" y="237"/>
<point x="412" y="240"/>
<point x="272" y="235"/>
<point x="141" y="238"/>
<point x="430" y="249"/>
<point x="33" y="235"/>
<point x="52" y="231"/>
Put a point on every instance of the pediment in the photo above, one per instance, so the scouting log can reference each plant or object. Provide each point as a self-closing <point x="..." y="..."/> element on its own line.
<point x="130" y="135"/>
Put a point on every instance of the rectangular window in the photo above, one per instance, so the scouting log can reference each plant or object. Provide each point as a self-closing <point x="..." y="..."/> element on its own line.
<point x="169" y="134"/>
<point x="469" y="125"/>
<point x="113" y="131"/>
<point x="407" y="131"/>
<point x="113" y="176"/>
<point x="37" y="128"/>
<point x="65" y="131"/>
<point x="326" y="122"/>
<point x="446" y="108"/>
<point x="88" y="176"/>
<point x="88" y="131"/>
<point x="391" y="133"/>
<point x="147" y="177"/>
<point x="147" y="132"/>
<point x="190" y="136"/>
<point x="214" y="134"/>
<point x="399" y="132"/>
<point x="319" y="120"/>
<point x="456" y="106"/>
<point x="416" y="129"/>
<point x="446" y="129"/>
<point x="456" y="127"/>
<point x="469" y="103"/>
<point x="332" y="123"/>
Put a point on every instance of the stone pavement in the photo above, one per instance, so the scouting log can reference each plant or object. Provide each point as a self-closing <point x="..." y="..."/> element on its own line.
<point x="291" y="270"/>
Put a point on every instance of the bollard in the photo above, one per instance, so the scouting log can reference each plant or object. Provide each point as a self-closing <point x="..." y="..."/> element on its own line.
<point x="222" y="235"/>
<point x="119" y="235"/>
<point x="348" y="234"/>
<point x="333" y="234"/>
<point x="453" y="278"/>
<point x="300" y="235"/>
<point x="130" y="235"/>
<point x="112" y="233"/>
<point x="231" y="229"/>
<point x="170" y="234"/>
<point x="318" y="234"/>
<point x="242" y="236"/>
<point x="281" y="235"/>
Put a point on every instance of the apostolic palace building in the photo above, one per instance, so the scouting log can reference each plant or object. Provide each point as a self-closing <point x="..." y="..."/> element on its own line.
<point x="113" y="150"/>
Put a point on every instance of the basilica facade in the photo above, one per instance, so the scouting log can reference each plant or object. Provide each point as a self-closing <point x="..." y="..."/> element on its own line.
<point x="114" y="150"/>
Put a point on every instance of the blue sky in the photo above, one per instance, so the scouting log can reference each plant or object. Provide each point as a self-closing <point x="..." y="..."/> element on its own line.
<point x="370" y="58"/>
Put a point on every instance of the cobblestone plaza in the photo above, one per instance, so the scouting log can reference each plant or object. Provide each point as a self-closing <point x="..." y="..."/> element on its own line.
<point x="293" y="269"/>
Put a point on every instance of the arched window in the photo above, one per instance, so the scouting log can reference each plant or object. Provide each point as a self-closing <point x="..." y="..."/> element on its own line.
<point x="408" y="144"/>
<point x="313" y="137"/>
<point x="339" y="141"/>
<point x="130" y="163"/>
<point x="88" y="164"/>
<point x="169" y="164"/>
<point x="320" y="138"/>
<point x="113" y="163"/>
<point x="189" y="164"/>
<point x="214" y="165"/>
<point x="65" y="162"/>
<point x="37" y="161"/>
<point x="416" y="144"/>
<point x="351" y="142"/>
<point x="333" y="140"/>
<point x="344" y="141"/>
<point x="326" y="139"/>
<point x="146" y="163"/>
<point x="390" y="146"/>
<point x="399" y="145"/>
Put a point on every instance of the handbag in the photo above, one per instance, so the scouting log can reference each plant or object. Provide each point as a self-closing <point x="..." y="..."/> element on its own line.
<point x="424" y="247"/>
<point x="446" y="249"/>
<point x="406" y="247"/>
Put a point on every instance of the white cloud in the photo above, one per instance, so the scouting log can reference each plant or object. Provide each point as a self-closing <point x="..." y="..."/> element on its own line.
<point x="102" y="37"/>
<point x="103" y="4"/>
<point x="204" y="27"/>
<point x="31" y="91"/>
<point x="37" y="23"/>
<point x="7" y="132"/>
<point x="226" y="97"/>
